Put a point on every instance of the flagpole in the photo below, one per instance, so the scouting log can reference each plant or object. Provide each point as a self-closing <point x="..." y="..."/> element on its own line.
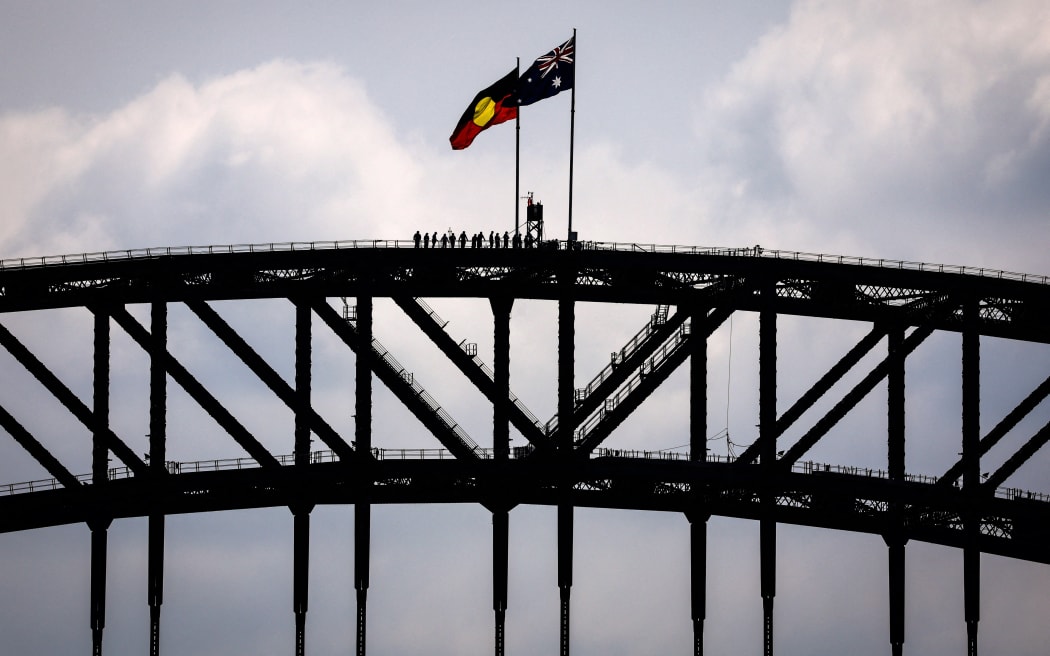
<point x="572" y="128"/>
<point x="517" y="158"/>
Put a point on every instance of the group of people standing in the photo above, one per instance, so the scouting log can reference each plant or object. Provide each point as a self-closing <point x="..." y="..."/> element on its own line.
<point x="448" y="240"/>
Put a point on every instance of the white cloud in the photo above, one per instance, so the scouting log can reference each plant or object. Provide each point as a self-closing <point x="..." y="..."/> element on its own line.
<point x="893" y="125"/>
<point x="281" y="152"/>
<point x="36" y="163"/>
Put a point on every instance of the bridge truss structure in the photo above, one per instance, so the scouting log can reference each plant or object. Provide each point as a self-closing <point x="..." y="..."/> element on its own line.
<point x="566" y="462"/>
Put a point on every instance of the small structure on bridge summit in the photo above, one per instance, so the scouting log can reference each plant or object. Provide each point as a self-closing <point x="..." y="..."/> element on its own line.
<point x="533" y="221"/>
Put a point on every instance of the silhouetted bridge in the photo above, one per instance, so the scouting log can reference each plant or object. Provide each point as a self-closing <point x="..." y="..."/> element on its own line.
<point x="565" y="463"/>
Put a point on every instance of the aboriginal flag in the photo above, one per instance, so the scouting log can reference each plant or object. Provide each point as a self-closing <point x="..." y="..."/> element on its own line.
<point x="551" y="74"/>
<point x="491" y="106"/>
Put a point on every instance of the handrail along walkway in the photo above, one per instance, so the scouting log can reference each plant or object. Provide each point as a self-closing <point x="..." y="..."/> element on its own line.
<point x="20" y="263"/>
<point x="319" y="457"/>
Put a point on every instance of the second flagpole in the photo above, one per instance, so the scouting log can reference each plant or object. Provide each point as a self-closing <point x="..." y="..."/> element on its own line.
<point x="572" y="132"/>
<point x="517" y="156"/>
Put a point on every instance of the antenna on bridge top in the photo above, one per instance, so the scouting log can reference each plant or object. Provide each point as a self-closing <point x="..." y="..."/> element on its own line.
<point x="533" y="219"/>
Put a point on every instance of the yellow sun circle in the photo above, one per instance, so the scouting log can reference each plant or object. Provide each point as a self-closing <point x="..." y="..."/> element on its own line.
<point x="484" y="111"/>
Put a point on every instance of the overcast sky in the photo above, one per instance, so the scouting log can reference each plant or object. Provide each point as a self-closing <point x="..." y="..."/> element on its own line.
<point x="914" y="131"/>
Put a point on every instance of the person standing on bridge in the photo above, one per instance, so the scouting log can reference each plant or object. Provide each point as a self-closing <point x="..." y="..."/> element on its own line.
<point x="426" y="240"/>
<point x="444" y="241"/>
<point x="415" y="238"/>
<point x="463" y="239"/>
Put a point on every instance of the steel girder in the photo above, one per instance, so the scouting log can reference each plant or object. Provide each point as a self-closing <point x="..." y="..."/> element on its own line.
<point x="1006" y="307"/>
<point x="891" y="299"/>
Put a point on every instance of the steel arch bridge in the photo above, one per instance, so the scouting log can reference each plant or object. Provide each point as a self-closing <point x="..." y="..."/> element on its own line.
<point x="565" y="463"/>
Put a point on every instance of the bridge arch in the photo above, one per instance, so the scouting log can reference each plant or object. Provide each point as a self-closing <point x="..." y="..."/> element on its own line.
<point x="346" y="291"/>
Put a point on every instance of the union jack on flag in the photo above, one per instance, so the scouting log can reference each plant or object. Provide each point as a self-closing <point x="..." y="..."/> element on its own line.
<point x="549" y="75"/>
<point x="561" y="54"/>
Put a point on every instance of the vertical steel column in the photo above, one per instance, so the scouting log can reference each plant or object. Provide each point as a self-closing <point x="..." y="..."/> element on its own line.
<point x="99" y="452"/>
<point x="300" y="574"/>
<point x="501" y="376"/>
<point x="564" y="572"/>
<point x="363" y="444"/>
<point x="362" y="540"/>
<point x="566" y="428"/>
<point x="895" y="539"/>
<point x="698" y="453"/>
<point x="303" y="359"/>
<point x="767" y="417"/>
<point x="99" y="533"/>
<point x="895" y="408"/>
<point x="500" y="548"/>
<point x="99" y="523"/>
<point x="301" y="509"/>
<point x="155" y="582"/>
<point x="158" y="426"/>
<point x="971" y="437"/>
<point x="501" y="446"/>
<point x="698" y="386"/>
<point x="698" y="580"/>
<point x="896" y="575"/>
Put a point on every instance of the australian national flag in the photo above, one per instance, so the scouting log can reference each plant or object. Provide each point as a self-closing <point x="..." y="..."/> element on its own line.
<point x="551" y="74"/>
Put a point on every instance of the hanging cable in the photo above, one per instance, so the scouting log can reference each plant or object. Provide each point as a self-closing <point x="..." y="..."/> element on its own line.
<point x="717" y="436"/>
